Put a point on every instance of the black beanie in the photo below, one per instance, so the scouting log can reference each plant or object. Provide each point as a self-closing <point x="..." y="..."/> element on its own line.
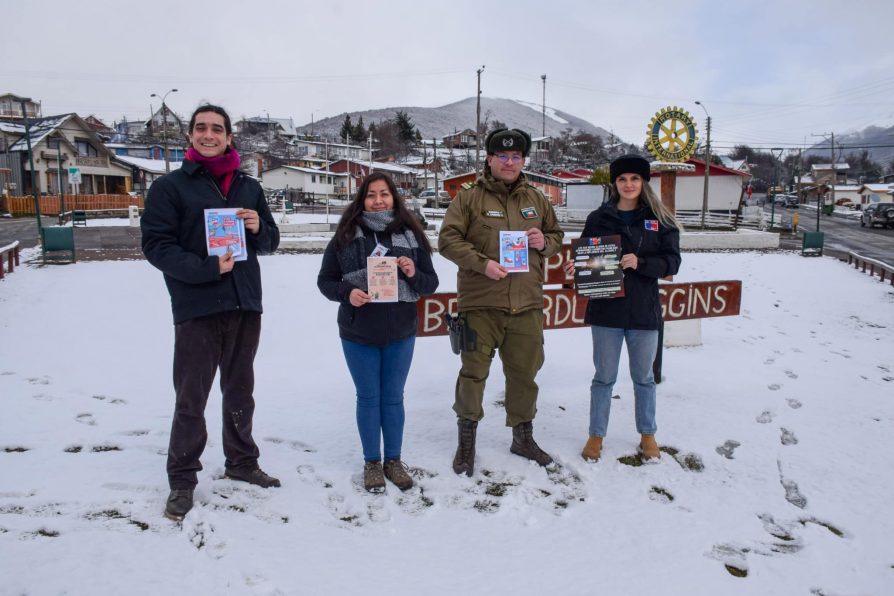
<point x="503" y="139"/>
<point x="629" y="164"/>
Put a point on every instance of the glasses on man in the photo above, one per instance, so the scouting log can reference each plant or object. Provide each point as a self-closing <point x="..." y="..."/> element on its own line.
<point x="514" y="158"/>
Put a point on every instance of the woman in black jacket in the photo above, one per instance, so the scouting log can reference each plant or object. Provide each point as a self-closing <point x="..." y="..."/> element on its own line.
<point x="650" y="249"/>
<point x="378" y="337"/>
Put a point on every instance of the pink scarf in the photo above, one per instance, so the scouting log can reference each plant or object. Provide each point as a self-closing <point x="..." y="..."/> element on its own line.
<point x="221" y="167"/>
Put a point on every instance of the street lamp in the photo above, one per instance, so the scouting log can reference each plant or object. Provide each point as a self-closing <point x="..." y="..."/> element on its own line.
<point x="776" y="152"/>
<point x="164" y="128"/>
<point x="22" y="101"/>
<point x="707" y="163"/>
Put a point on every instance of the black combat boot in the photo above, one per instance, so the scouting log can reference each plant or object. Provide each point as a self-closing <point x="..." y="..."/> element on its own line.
<point x="464" y="460"/>
<point x="523" y="444"/>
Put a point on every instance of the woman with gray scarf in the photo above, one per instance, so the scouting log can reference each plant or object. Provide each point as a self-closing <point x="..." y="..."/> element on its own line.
<point x="378" y="337"/>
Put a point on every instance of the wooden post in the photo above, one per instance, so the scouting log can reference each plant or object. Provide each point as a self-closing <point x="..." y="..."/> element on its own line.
<point x="669" y="190"/>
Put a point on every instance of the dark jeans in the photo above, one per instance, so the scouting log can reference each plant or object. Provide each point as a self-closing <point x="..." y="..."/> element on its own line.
<point x="228" y="341"/>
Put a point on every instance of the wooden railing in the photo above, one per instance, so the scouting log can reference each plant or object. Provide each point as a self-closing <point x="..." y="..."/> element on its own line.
<point x="11" y="252"/>
<point x="51" y="205"/>
<point x="874" y="267"/>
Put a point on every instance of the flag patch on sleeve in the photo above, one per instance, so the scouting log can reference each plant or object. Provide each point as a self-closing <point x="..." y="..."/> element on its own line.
<point x="652" y="225"/>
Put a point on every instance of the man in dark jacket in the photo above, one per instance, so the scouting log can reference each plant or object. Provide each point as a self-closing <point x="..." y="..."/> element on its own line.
<point x="216" y="301"/>
<point x="503" y="310"/>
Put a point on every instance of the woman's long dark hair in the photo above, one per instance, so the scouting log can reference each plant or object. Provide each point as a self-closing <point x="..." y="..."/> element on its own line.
<point x="403" y="219"/>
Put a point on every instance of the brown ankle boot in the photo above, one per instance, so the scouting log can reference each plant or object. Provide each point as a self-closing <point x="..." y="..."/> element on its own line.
<point x="593" y="449"/>
<point x="648" y="448"/>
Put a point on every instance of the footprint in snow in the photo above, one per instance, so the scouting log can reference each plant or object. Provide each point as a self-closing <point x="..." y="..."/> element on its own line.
<point x="788" y="437"/>
<point x="727" y="449"/>
<point x="86" y="418"/>
<point x="765" y="417"/>
<point x="793" y="403"/>
<point x="791" y="375"/>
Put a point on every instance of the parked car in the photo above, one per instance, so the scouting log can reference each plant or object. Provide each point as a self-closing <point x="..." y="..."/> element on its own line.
<point x="878" y="214"/>
<point x="428" y="197"/>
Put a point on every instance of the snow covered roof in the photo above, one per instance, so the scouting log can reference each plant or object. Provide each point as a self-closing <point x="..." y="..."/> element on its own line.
<point x="877" y="187"/>
<point x="39" y="129"/>
<point x="305" y="171"/>
<point x="381" y="166"/>
<point x="323" y="143"/>
<point x="12" y="127"/>
<point x="154" y="166"/>
<point x="828" y="166"/>
<point x="287" y="124"/>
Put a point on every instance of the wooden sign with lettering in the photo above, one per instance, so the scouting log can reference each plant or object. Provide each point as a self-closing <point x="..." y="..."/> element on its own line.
<point x="563" y="308"/>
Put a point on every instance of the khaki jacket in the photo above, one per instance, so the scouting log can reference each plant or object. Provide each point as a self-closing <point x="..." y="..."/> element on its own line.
<point x="470" y="237"/>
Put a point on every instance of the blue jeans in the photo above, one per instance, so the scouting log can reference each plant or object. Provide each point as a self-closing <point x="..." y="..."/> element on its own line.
<point x="380" y="373"/>
<point x="641" y="348"/>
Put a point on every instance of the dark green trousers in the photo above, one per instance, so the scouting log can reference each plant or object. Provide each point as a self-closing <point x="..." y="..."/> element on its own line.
<point x="519" y="340"/>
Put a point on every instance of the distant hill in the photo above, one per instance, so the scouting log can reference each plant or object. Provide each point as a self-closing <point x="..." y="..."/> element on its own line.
<point x="868" y="137"/>
<point x="441" y="121"/>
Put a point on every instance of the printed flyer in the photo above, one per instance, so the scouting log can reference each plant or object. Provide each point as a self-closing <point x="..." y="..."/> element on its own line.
<point x="225" y="232"/>
<point x="381" y="277"/>
<point x="514" y="251"/>
<point x="597" y="267"/>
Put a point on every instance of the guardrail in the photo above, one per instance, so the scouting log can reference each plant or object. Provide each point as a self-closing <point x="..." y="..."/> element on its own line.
<point x="11" y="252"/>
<point x="875" y="267"/>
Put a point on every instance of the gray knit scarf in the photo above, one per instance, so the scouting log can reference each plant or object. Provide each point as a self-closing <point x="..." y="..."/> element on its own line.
<point x="353" y="258"/>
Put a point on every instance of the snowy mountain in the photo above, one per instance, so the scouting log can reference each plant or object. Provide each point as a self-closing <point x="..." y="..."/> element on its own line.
<point x="455" y="117"/>
<point x="877" y="140"/>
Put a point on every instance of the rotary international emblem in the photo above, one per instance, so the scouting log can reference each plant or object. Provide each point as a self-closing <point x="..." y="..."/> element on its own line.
<point x="672" y="135"/>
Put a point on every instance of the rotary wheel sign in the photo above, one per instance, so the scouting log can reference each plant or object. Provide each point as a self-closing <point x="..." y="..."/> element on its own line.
<point x="672" y="135"/>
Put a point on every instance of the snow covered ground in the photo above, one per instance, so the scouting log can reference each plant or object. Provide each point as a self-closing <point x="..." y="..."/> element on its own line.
<point x="776" y="479"/>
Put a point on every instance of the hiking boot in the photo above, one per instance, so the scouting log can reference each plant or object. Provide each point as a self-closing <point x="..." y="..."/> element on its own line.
<point x="397" y="472"/>
<point x="648" y="448"/>
<point x="464" y="460"/>
<point x="255" y="476"/>
<point x="179" y="503"/>
<point x="593" y="449"/>
<point x="523" y="444"/>
<point x="373" y="478"/>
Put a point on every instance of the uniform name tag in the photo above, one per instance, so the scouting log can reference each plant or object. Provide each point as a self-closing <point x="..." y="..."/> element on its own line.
<point x="494" y="214"/>
<point x="529" y="213"/>
<point x="652" y="225"/>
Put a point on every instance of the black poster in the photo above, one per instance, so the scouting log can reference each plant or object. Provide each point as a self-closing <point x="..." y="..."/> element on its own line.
<point x="597" y="267"/>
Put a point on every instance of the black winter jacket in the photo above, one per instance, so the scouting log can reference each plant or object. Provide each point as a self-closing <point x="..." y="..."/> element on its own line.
<point x="376" y="323"/>
<point x="173" y="227"/>
<point x="659" y="255"/>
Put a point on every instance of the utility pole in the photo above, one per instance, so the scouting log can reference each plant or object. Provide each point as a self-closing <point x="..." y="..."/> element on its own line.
<point x="707" y="163"/>
<point x="832" y="165"/>
<point x="31" y="164"/>
<point x="164" y="128"/>
<point x="477" y="125"/>
<point x="434" y="167"/>
<point x="543" y="132"/>
<point x="834" y="170"/>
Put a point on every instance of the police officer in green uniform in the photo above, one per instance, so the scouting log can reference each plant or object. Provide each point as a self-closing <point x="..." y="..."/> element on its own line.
<point x="500" y="311"/>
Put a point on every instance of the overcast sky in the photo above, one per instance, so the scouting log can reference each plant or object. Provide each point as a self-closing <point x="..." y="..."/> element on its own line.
<point x="769" y="72"/>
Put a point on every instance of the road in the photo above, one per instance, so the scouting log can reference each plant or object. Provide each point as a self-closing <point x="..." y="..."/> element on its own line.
<point x="844" y="234"/>
<point x="22" y="229"/>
